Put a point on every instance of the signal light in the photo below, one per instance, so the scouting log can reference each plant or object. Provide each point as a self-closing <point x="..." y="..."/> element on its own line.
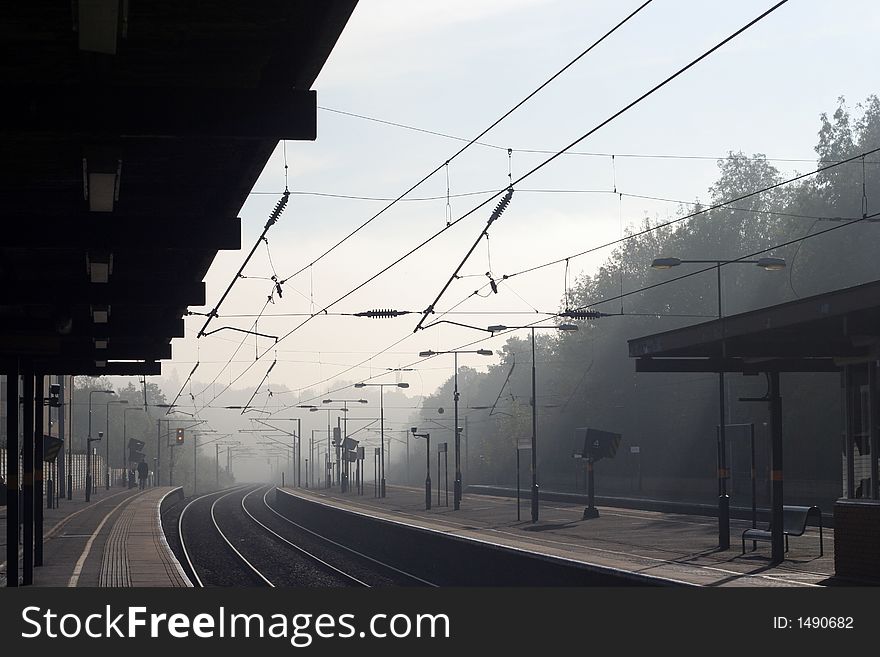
<point x="178" y="439"/>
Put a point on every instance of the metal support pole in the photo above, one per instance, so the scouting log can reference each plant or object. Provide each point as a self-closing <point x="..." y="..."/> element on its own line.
<point x="89" y="453"/>
<point x="65" y="447"/>
<point x="217" y="463"/>
<point x="69" y="455"/>
<point x="382" y="441"/>
<point x="27" y="575"/>
<point x="849" y="429"/>
<point x="456" y="493"/>
<point x="107" y="447"/>
<point x="534" y="435"/>
<point x="12" y="482"/>
<point x="591" y="511"/>
<point x="873" y="420"/>
<point x="158" y="452"/>
<point x="776" y="499"/>
<point x="754" y="481"/>
<point x="723" y="497"/>
<point x="39" y="400"/>
<point x="517" y="483"/>
<point x="428" y="472"/>
<point x="446" y="476"/>
<point x="195" y="457"/>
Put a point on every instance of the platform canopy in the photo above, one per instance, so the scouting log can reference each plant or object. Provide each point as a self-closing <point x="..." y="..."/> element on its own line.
<point x="132" y="133"/>
<point x="821" y="333"/>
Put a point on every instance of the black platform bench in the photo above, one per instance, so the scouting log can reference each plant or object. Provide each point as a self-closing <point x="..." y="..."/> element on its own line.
<point x="794" y="523"/>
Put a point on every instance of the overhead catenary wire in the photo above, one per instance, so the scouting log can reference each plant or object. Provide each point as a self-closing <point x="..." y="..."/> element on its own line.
<point x="702" y="211"/>
<point x="496" y="213"/>
<point x="273" y="217"/>
<point x="545" y="162"/>
<point x="596" y="302"/>
<point x="602" y="154"/>
<point x="611" y="118"/>
<point x="474" y="140"/>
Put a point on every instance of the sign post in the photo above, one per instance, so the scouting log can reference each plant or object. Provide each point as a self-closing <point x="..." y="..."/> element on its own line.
<point x="521" y="444"/>
<point x="596" y="445"/>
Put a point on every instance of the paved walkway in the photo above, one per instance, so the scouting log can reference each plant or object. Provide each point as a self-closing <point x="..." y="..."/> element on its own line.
<point x="116" y="540"/>
<point x="672" y="546"/>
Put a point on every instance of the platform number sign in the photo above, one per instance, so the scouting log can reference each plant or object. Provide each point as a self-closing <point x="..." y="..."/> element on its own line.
<point x="178" y="438"/>
<point x="596" y="444"/>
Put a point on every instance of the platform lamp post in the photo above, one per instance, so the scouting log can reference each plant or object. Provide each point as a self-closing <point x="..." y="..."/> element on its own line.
<point x="315" y="409"/>
<point x="124" y="438"/>
<point x="107" y="436"/>
<point x="381" y="387"/>
<point x="339" y="466"/>
<point x="457" y="485"/>
<point x="768" y="264"/>
<point x="559" y="327"/>
<point x="427" y="437"/>
<point x="90" y="440"/>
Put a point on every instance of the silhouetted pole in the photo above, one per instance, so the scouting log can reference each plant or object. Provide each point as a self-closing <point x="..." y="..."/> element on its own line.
<point x="776" y="500"/>
<point x="534" y="435"/>
<point x="723" y="498"/>
<point x="39" y="400"/>
<point x="13" y="518"/>
<point x="27" y="575"/>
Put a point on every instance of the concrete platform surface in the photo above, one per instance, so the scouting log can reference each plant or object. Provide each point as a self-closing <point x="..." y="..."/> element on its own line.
<point x="115" y="540"/>
<point x="677" y="547"/>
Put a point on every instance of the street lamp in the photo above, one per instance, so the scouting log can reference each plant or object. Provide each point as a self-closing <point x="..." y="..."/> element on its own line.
<point x="107" y="435"/>
<point x="124" y="443"/>
<point x="90" y="440"/>
<point x="381" y="387"/>
<point x="456" y="494"/>
<point x="427" y="437"/>
<point x="768" y="263"/>
<point x="560" y="327"/>
<point x="340" y="470"/>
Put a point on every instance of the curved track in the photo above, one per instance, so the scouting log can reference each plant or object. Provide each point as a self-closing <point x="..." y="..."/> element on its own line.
<point x="235" y="537"/>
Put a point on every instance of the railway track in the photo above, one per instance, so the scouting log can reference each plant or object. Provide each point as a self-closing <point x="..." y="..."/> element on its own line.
<point x="236" y="537"/>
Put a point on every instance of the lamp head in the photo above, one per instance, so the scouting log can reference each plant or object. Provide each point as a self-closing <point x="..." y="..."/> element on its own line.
<point x="495" y="328"/>
<point x="426" y="354"/>
<point x="665" y="263"/>
<point x="403" y="385"/>
<point x="414" y="429"/>
<point x="360" y="385"/>
<point x="567" y="327"/>
<point x="484" y="352"/>
<point x="326" y="401"/>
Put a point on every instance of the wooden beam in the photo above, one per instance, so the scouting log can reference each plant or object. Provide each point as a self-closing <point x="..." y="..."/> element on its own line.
<point x="182" y="112"/>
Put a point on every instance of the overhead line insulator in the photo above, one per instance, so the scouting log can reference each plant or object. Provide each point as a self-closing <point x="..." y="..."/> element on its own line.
<point x="583" y="314"/>
<point x="382" y="313"/>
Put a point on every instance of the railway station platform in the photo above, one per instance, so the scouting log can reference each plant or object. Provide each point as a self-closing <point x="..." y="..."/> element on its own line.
<point x="116" y="540"/>
<point x="676" y="548"/>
